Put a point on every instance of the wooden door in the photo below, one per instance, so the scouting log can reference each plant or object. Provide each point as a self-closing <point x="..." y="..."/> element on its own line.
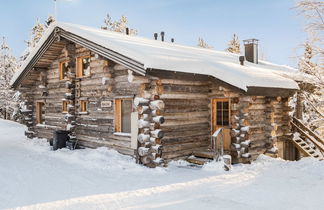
<point x="221" y="119"/>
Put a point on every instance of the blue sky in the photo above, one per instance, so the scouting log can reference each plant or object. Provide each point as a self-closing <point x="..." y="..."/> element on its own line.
<point x="273" y="22"/>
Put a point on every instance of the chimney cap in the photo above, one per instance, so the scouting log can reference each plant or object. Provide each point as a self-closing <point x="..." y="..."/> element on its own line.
<point x="241" y="59"/>
<point x="155" y="36"/>
<point x="251" y="41"/>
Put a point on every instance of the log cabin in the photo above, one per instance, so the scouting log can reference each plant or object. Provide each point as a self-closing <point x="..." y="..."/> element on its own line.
<point x="154" y="100"/>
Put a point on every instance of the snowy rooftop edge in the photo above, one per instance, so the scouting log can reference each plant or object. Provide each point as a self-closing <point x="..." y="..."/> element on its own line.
<point x="155" y="54"/>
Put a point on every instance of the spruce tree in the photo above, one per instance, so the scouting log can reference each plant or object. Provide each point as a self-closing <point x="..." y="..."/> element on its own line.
<point x="234" y="45"/>
<point x="203" y="44"/>
<point x="8" y="66"/>
<point x="36" y="34"/>
<point x="312" y="89"/>
<point x="117" y="25"/>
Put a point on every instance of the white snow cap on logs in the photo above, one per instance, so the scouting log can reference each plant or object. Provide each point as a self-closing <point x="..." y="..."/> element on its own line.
<point x="246" y="155"/>
<point x="157" y="104"/>
<point x="156" y="148"/>
<point x="158" y="160"/>
<point x="142" y="109"/>
<point x="152" y="140"/>
<point x="140" y="101"/>
<point x="159" y="119"/>
<point x="143" y="138"/>
<point x="145" y="117"/>
<point x="136" y="79"/>
<point x="158" y="133"/>
<point x="130" y="76"/>
<point x="143" y="124"/>
<point x="104" y="80"/>
<point x="142" y="151"/>
<point x="246" y="143"/>
<point x="147" y="159"/>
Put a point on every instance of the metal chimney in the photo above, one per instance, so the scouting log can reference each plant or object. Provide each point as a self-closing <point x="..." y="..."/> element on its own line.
<point x="162" y="36"/>
<point x="155" y="36"/>
<point x="251" y="50"/>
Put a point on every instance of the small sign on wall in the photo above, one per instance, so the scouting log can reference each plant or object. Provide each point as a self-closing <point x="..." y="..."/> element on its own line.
<point x="106" y="104"/>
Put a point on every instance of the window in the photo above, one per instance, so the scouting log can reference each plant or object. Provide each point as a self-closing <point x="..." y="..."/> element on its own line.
<point x="40" y="112"/>
<point x="83" y="66"/>
<point x="123" y="110"/>
<point x="63" y="68"/>
<point x="65" y="106"/>
<point x="221" y="112"/>
<point x="83" y="106"/>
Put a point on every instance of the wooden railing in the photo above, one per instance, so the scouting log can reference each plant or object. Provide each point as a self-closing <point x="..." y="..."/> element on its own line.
<point x="308" y="133"/>
<point x="218" y="153"/>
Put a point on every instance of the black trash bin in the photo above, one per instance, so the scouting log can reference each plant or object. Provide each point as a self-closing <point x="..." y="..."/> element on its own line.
<point x="59" y="139"/>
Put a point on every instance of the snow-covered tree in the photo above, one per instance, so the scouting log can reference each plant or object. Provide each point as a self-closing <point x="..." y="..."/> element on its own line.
<point x="306" y="64"/>
<point x="311" y="63"/>
<point x="8" y="66"/>
<point x="203" y="44"/>
<point x="312" y="89"/>
<point x="117" y="25"/>
<point x="36" y="34"/>
<point x="234" y="45"/>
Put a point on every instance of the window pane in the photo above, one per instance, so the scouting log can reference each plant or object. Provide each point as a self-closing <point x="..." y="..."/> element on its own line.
<point x="86" y="66"/>
<point x="225" y="105"/>
<point x="219" y="117"/>
<point x="219" y="105"/>
<point x="64" y="70"/>
<point x="43" y="114"/>
<point x="126" y="109"/>
<point x="225" y="117"/>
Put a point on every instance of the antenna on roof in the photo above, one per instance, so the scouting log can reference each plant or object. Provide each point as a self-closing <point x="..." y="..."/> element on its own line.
<point x="55" y="10"/>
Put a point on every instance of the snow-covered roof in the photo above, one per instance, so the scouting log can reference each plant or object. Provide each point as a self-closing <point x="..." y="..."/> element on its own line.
<point x="153" y="54"/>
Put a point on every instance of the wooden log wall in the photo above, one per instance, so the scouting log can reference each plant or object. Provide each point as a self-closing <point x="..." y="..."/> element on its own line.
<point x="94" y="128"/>
<point x="174" y="110"/>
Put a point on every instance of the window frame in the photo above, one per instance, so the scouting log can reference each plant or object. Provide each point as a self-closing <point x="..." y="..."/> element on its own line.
<point x="65" y="104"/>
<point x="118" y="114"/>
<point x="40" y="119"/>
<point x="79" y="64"/>
<point x="61" y="75"/>
<point x="215" y="110"/>
<point x="83" y="106"/>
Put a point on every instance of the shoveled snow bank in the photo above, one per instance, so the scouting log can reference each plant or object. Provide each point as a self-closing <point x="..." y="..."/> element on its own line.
<point x="34" y="177"/>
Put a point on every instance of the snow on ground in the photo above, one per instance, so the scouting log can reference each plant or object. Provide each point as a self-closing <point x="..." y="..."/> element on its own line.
<point x="34" y="177"/>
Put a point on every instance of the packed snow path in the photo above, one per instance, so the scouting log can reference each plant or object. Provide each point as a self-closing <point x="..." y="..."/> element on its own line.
<point x="34" y="177"/>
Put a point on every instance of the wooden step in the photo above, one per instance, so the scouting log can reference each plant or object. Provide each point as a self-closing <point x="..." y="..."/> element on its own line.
<point x="197" y="160"/>
<point x="307" y="150"/>
<point x="204" y="154"/>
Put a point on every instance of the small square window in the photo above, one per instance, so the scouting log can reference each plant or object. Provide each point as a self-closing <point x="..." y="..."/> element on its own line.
<point x="63" y="70"/>
<point x="83" y="66"/>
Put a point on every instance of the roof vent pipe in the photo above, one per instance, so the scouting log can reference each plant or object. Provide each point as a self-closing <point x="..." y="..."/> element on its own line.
<point x="251" y="50"/>
<point x="172" y="40"/>
<point x="242" y="58"/>
<point x="162" y="36"/>
<point x="155" y="36"/>
<point x="127" y="31"/>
